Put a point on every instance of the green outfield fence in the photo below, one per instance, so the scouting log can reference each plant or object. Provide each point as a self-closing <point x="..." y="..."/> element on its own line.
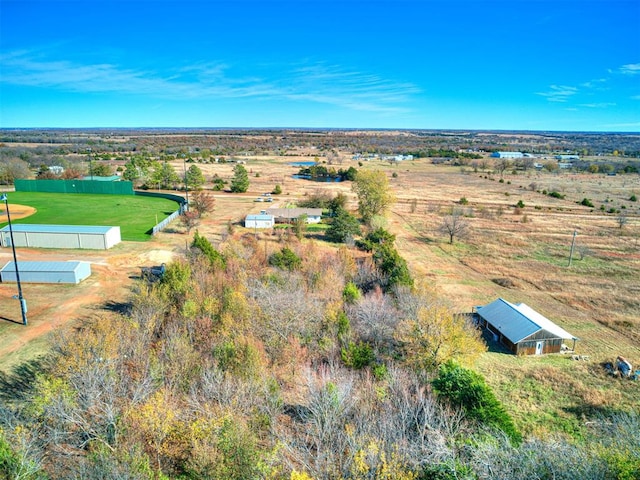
<point x="75" y="186"/>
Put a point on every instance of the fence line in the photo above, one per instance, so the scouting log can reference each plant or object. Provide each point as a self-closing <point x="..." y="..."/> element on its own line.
<point x="160" y="226"/>
<point x="177" y="198"/>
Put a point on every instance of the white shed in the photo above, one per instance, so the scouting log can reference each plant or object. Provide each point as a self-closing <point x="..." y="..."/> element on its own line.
<point x="259" y="221"/>
<point x="61" y="236"/>
<point x="46" y="272"/>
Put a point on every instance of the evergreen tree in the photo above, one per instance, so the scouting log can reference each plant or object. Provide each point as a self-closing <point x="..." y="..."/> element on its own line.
<point x="343" y="226"/>
<point x="240" y="180"/>
<point x="195" y="178"/>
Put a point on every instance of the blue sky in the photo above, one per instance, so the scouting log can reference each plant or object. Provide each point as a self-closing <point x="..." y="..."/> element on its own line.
<point x="571" y="65"/>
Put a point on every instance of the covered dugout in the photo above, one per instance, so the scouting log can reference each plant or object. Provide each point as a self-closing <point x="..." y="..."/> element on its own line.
<point x="46" y="272"/>
<point x="61" y="236"/>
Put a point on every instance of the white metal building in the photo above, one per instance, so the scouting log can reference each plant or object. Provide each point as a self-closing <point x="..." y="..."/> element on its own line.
<point x="261" y="220"/>
<point x="507" y="155"/>
<point x="61" y="236"/>
<point x="46" y="272"/>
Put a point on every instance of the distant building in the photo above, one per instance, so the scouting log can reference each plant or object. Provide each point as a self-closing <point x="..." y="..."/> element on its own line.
<point x="261" y="220"/>
<point x="56" y="169"/>
<point x="507" y="155"/>
<point x="567" y="157"/>
<point x="288" y="215"/>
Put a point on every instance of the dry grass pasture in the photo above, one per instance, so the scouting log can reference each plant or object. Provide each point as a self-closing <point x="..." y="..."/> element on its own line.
<point x="527" y="249"/>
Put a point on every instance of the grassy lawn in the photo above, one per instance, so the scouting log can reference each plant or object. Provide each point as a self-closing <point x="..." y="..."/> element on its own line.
<point x="136" y="215"/>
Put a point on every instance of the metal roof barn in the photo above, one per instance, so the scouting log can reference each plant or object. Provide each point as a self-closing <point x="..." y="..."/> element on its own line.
<point x="522" y="329"/>
<point x="259" y="221"/>
<point x="46" y="272"/>
<point x="61" y="236"/>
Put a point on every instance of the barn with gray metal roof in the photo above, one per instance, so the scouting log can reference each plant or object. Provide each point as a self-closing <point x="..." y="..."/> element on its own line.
<point x="523" y="330"/>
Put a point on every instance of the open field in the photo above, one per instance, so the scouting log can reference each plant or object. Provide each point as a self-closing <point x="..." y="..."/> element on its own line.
<point x="596" y="299"/>
<point x="136" y="215"/>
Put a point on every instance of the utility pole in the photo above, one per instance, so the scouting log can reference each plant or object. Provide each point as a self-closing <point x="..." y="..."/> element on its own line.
<point x="23" y="302"/>
<point x="573" y="244"/>
<point x="186" y="184"/>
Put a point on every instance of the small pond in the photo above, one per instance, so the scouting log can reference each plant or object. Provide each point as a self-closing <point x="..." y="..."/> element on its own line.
<point x="302" y="164"/>
<point x="318" y="179"/>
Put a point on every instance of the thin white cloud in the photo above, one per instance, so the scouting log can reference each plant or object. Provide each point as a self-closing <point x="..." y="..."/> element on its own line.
<point x="630" y="69"/>
<point x="598" y="105"/>
<point x="317" y="83"/>
<point x="559" y="93"/>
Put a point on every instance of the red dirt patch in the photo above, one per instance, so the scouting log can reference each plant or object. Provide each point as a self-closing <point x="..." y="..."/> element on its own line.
<point x="17" y="211"/>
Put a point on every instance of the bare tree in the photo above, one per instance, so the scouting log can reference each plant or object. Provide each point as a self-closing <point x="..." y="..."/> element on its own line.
<point x="622" y="220"/>
<point x="502" y="165"/>
<point x="202" y="202"/>
<point x="454" y="225"/>
<point x="189" y="220"/>
<point x="374" y="318"/>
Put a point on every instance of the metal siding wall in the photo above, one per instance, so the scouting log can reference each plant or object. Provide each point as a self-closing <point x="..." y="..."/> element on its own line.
<point x="54" y="240"/>
<point x="112" y="237"/>
<point x="40" y="277"/>
<point x="92" y="241"/>
<point x="83" y="271"/>
<point x="58" y="240"/>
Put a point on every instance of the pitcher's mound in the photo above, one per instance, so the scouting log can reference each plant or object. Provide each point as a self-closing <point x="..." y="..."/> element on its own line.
<point x="16" y="211"/>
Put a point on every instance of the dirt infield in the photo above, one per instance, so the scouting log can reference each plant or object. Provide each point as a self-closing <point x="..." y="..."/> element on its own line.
<point x="17" y="211"/>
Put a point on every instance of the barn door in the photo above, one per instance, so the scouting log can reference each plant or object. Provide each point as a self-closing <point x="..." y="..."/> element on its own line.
<point x="539" y="348"/>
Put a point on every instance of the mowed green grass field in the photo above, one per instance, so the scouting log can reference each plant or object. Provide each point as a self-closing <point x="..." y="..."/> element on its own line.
<point x="135" y="215"/>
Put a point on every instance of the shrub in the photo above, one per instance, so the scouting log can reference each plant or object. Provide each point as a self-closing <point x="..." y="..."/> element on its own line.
<point x="343" y="226"/>
<point x="351" y="293"/>
<point x="520" y="204"/>
<point x="555" y="194"/>
<point x="586" y="202"/>
<point x="285" y="259"/>
<point x="201" y="243"/>
<point x="633" y="198"/>
<point x="379" y="236"/>
<point x="467" y="389"/>
<point x="277" y="190"/>
<point x="463" y="201"/>
<point x="358" y="355"/>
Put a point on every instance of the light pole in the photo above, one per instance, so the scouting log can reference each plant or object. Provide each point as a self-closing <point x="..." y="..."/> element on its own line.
<point x="23" y="302"/>
<point x="90" y="163"/>
<point x="186" y="184"/>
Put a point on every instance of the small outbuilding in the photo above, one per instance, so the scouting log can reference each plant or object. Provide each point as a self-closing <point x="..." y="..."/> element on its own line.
<point x="46" y="272"/>
<point x="289" y="215"/>
<point x="61" y="236"/>
<point x="261" y="220"/>
<point x="523" y="330"/>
